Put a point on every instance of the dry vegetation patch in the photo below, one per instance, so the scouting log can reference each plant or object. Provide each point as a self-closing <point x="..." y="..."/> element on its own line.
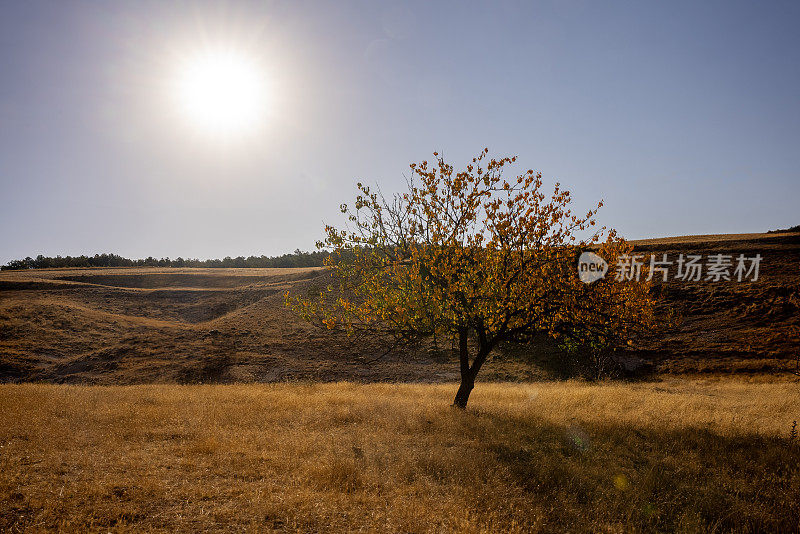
<point x="567" y="456"/>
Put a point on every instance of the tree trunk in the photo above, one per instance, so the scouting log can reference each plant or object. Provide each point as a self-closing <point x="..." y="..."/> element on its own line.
<point x="468" y="372"/>
<point x="462" y="396"/>
<point x="467" y="382"/>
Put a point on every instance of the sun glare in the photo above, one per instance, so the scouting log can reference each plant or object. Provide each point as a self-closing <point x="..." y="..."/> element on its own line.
<point x="221" y="92"/>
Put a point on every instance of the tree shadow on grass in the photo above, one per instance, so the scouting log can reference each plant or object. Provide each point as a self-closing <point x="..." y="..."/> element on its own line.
<point x="610" y="476"/>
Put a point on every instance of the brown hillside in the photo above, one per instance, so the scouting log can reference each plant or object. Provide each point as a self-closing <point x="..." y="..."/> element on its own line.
<point x="730" y="326"/>
<point x="230" y="325"/>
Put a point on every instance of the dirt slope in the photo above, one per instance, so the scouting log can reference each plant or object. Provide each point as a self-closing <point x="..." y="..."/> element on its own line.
<point x="730" y="326"/>
<point x="178" y="325"/>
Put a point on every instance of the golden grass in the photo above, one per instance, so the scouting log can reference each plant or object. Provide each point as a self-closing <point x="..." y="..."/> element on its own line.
<point x="567" y="456"/>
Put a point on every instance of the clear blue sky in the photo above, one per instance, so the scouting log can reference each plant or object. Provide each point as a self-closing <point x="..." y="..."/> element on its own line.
<point x="683" y="116"/>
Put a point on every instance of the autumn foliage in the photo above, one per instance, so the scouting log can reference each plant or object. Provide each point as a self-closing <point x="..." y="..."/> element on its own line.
<point x="479" y="257"/>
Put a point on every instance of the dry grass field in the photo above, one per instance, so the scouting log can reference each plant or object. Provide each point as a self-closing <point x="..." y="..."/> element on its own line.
<point x="676" y="456"/>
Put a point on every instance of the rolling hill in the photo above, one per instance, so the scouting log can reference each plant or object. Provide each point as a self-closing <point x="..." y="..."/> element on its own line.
<point x="166" y="325"/>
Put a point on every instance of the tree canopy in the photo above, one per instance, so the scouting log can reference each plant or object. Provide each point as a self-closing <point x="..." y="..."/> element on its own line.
<point x="473" y="255"/>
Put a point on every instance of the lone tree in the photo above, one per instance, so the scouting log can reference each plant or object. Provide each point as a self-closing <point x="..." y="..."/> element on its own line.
<point x="476" y="257"/>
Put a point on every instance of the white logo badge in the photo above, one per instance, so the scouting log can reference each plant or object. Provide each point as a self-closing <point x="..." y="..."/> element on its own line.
<point x="591" y="267"/>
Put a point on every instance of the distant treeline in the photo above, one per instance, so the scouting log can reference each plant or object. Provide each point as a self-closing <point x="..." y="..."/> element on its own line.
<point x="296" y="259"/>
<point x="782" y="230"/>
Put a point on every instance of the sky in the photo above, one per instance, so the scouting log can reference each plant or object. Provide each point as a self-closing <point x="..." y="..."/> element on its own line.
<point x="683" y="117"/>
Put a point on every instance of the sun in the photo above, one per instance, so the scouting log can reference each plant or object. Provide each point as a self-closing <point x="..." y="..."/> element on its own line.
<point x="221" y="92"/>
